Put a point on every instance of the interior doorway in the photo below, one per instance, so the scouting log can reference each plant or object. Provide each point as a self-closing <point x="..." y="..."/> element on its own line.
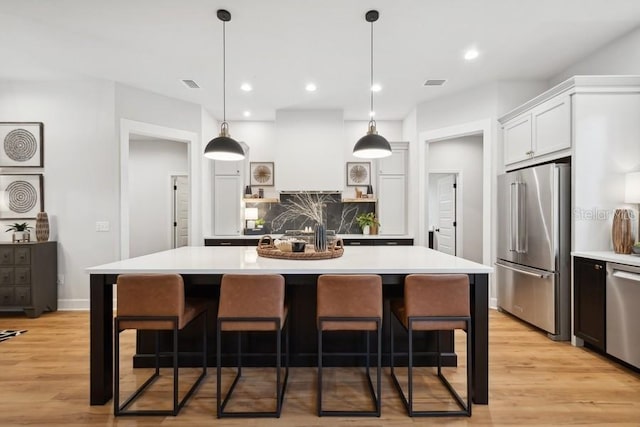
<point x="180" y="210"/>
<point x="443" y="219"/>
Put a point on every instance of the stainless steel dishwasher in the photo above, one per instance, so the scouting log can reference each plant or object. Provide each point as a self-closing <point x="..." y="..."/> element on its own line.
<point x="623" y="313"/>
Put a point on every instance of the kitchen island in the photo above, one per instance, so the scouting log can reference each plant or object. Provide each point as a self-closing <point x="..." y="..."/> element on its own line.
<point x="202" y="269"/>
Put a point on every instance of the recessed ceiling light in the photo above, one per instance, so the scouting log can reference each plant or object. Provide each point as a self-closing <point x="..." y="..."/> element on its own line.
<point x="246" y="87"/>
<point x="247" y="113"/>
<point x="376" y="87"/>
<point x="471" y="54"/>
<point x="310" y="87"/>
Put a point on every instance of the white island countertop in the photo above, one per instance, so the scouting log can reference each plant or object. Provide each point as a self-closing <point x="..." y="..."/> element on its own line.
<point x="245" y="259"/>
<point x="609" y="256"/>
<point x="342" y="236"/>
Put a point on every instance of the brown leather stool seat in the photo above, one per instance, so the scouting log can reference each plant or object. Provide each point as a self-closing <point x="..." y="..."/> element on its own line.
<point x="252" y="303"/>
<point x="350" y="303"/>
<point x="434" y="302"/>
<point x="156" y="302"/>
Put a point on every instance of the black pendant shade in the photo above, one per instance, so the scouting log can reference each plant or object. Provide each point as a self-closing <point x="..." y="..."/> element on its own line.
<point x="224" y="147"/>
<point x="372" y="145"/>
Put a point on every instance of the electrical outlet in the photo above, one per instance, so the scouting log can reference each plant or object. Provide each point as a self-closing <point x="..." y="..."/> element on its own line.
<point x="60" y="280"/>
<point x="102" y="225"/>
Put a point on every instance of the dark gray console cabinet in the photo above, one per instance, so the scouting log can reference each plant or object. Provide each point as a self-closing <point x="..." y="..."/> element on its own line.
<point x="28" y="273"/>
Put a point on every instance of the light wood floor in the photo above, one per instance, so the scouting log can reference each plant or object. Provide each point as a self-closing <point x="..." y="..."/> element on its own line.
<point x="533" y="381"/>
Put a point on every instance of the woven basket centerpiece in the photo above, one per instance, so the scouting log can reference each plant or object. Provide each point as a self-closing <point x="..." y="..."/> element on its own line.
<point x="267" y="248"/>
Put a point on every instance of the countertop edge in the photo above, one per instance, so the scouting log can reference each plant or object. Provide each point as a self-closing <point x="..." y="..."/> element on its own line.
<point x="609" y="256"/>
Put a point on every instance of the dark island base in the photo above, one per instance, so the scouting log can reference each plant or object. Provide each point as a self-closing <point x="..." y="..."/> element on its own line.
<point x="258" y="348"/>
<point x="301" y="293"/>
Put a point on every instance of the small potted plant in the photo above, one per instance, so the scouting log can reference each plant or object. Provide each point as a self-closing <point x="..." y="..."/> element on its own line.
<point x="259" y="222"/>
<point x="20" y="231"/>
<point x="367" y="221"/>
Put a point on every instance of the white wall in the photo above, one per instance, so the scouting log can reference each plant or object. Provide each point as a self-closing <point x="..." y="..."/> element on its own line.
<point x="607" y="135"/>
<point x="464" y="155"/>
<point x="261" y="137"/>
<point x="151" y="164"/>
<point x="80" y="171"/>
<point x="621" y="56"/>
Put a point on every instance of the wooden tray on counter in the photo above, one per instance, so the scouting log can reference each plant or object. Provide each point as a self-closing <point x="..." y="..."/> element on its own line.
<point x="267" y="249"/>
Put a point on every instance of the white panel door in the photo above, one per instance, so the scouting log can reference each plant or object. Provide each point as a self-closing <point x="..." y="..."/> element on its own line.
<point x="226" y="209"/>
<point x="391" y="206"/>
<point x="180" y="211"/>
<point x="222" y="167"/>
<point x="517" y="135"/>
<point x="446" y="230"/>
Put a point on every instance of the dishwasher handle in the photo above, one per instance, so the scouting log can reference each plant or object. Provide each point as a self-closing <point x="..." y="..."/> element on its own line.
<point x="626" y="275"/>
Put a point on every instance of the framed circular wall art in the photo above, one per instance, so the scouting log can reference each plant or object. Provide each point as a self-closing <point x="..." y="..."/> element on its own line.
<point x="21" y="196"/>
<point x="358" y="173"/>
<point x="261" y="174"/>
<point x="21" y="144"/>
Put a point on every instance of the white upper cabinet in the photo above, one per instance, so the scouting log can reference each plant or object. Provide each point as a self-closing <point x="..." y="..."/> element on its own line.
<point x="552" y="126"/>
<point x="542" y="131"/>
<point x="518" y="139"/>
<point x="222" y="167"/>
<point x="395" y="163"/>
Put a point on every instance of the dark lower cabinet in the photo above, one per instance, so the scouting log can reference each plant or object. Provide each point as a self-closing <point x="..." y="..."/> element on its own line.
<point x="28" y="273"/>
<point x="348" y="242"/>
<point x="589" y="301"/>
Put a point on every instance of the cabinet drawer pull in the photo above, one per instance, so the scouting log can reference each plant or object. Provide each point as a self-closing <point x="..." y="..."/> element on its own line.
<point x="392" y="243"/>
<point x="354" y="243"/>
<point x="225" y="243"/>
<point x="597" y="267"/>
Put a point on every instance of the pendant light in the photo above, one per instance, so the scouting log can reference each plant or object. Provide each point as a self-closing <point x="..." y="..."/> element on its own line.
<point x="224" y="147"/>
<point x="372" y="145"/>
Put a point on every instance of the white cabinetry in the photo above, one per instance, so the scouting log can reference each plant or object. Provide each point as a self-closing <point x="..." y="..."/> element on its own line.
<point x="392" y="191"/>
<point x="541" y="133"/>
<point x="227" y="198"/>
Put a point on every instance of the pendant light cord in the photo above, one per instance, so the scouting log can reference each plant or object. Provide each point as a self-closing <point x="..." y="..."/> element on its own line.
<point x="371" y="80"/>
<point x="224" y="73"/>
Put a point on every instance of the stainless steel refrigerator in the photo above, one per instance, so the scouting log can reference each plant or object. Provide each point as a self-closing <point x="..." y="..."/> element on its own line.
<point x="533" y="248"/>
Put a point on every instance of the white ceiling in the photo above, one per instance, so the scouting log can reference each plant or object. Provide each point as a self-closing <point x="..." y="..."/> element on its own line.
<point x="280" y="45"/>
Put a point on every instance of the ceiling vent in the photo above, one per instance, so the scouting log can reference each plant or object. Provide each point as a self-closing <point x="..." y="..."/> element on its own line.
<point x="191" y="84"/>
<point x="434" y="82"/>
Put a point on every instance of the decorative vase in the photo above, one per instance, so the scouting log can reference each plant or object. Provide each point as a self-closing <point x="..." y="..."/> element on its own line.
<point x="42" y="227"/>
<point x="320" y="238"/>
<point x="366" y="229"/>
<point x="374" y="229"/>
<point x="621" y="231"/>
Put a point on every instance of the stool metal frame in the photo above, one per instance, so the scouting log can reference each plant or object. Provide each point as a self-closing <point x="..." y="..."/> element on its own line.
<point x="375" y="393"/>
<point x="281" y="385"/>
<point x="465" y="407"/>
<point x="177" y="405"/>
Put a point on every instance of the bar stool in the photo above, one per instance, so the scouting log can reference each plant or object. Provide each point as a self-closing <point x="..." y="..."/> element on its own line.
<point x="434" y="302"/>
<point x="350" y="303"/>
<point x="251" y="303"/>
<point x="156" y="302"/>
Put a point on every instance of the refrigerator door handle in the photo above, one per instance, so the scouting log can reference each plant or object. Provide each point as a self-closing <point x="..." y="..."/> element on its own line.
<point x="513" y="219"/>
<point x="521" y="231"/>
<point x="528" y="273"/>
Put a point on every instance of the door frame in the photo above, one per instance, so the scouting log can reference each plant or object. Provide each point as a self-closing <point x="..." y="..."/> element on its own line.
<point x="459" y="250"/>
<point x="128" y="127"/>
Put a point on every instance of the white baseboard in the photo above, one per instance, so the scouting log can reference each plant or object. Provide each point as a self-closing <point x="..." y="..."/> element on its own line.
<point x="76" y="304"/>
<point x="493" y="303"/>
